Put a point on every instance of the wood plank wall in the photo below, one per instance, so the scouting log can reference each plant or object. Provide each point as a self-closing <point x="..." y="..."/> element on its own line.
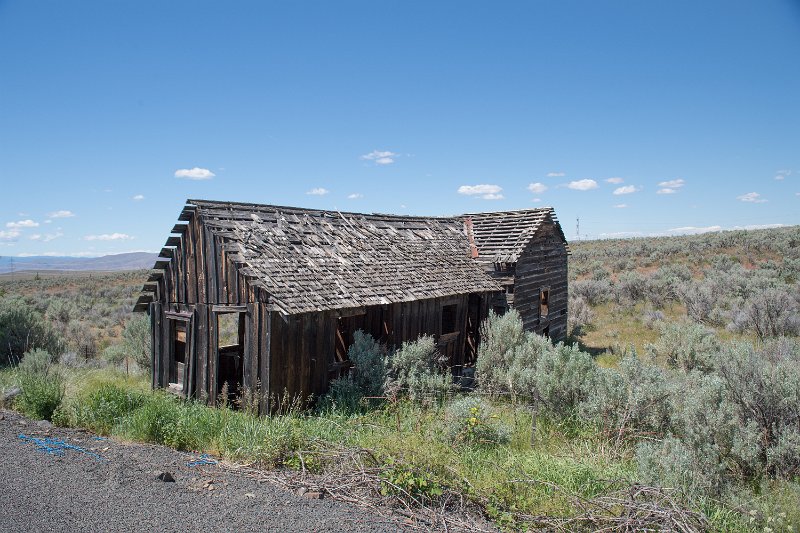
<point x="543" y="264"/>
<point x="304" y="346"/>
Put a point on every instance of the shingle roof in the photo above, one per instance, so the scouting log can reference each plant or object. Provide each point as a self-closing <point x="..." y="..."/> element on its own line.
<point x="501" y="236"/>
<point x="311" y="260"/>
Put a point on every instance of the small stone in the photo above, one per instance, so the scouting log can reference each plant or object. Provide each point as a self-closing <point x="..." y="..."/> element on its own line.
<point x="250" y="495"/>
<point x="301" y="491"/>
<point x="10" y="394"/>
<point x="312" y="495"/>
<point x="44" y="424"/>
<point x="166" y="477"/>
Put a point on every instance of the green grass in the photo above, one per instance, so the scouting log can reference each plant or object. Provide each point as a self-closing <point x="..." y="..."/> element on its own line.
<point x="537" y="473"/>
<point x="411" y="439"/>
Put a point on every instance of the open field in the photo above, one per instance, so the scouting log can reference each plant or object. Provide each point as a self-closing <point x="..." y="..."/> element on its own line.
<point x="551" y="434"/>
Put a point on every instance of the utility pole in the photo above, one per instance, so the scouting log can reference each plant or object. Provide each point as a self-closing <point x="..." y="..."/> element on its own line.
<point x="578" y="228"/>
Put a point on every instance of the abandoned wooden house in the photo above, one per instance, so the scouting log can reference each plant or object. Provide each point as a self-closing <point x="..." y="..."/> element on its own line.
<point x="267" y="298"/>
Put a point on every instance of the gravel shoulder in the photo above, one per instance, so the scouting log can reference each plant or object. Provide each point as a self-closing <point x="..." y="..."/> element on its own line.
<point x="120" y="491"/>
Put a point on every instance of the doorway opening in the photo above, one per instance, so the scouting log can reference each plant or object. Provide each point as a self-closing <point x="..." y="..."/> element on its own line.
<point x="179" y="349"/>
<point x="230" y="344"/>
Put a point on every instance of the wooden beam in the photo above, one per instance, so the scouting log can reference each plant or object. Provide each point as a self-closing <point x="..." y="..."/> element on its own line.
<point x="173" y="241"/>
<point x="229" y="308"/>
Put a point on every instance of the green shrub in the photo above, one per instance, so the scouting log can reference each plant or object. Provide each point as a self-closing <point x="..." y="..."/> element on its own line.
<point x="369" y="364"/>
<point x="154" y="421"/>
<point x="42" y="386"/>
<point x="523" y="364"/>
<point x="563" y="379"/>
<point x="635" y="399"/>
<point x="270" y="441"/>
<point x="416" y="370"/>
<point x="687" y="346"/>
<point x="366" y="377"/>
<point x="23" y="329"/>
<point x="580" y="315"/>
<point x="630" y="287"/>
<point x="136" y="340"/>
<point x="764" y="387"/>
<point x="500" y="335"/>
<point x="770" y="313"/>
<point x="101" y="409"/>
<point x="344" y="394"/>
<point x="470" y="419"/>
<point x="737" y="425"/>
<point x="699" y="300"/>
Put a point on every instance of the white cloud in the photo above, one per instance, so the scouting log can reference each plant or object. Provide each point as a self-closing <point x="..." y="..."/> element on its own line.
<point x="582" y="185"/>
<point x="536" y="200"/>
<point x="666" y="190"/>
<point x="109" y="237"/>
<point x="537" y="188"/>
<point x="760" y="226"/>
<point x="485" y="191"/>
<point x="380" y="157"/>
<point x="10" y="235"/>
<point x="615" y="181"/>
<point x="692" y="230"/>
<point x="672" y="184"/>
<point x="625" y="189"/>
<point x="752" y="197"/>
<point x="555" y="174"/>
<point x="781" y="174"/>
<point x="195" y="173"/>
<point x="138" y="197"/>
<point x="46" y="237"/>
<point x="621" y="206"/>
<point x="621" y="234"/>
<point x="61" y="214"/>
<point x="22" y="224"/>
<point x="318" y="191"/>
<point x="355" y="196"/>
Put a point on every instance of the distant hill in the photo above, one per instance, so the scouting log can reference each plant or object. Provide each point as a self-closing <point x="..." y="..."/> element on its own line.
<point x="117" y="262"/>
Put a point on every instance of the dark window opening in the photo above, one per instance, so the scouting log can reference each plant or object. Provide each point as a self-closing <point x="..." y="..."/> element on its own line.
<point x="544" y="302"/>
<point x="499" y="310"/>
<point x="449" y="318"/>
<point x="509" y="289"/>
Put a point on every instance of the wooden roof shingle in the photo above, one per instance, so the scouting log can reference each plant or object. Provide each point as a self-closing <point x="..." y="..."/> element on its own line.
<point x="501" y="236"/>
<point x="314" y="260"/>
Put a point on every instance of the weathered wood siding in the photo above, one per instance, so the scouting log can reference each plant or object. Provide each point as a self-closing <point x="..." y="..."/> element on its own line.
<point x="202" y="273"/>
<point x="543" y="265"/>
<point x="303" y="355"/>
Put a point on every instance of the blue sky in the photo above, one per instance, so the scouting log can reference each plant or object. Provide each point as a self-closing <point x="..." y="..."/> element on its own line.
<point x="638" y="117"/>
